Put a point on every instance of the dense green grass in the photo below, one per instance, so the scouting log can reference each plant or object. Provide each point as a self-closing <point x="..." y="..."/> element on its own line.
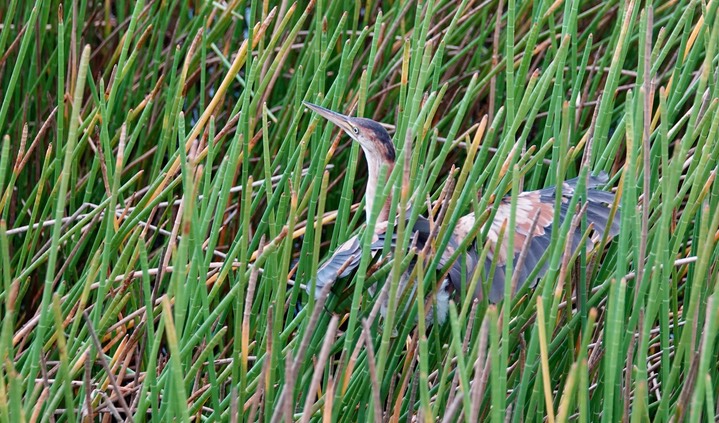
<point x="165" y="197"/>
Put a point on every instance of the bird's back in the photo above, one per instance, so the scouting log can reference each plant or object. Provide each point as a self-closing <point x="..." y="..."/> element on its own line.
<point x="531" y="205"/>
<point x="539" y="205"/>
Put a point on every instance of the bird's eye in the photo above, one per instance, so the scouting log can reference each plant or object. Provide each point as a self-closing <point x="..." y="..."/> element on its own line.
<point x="355" y="130"/>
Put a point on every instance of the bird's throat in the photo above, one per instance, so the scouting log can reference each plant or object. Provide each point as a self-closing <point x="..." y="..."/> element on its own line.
<point x="375" y="186"/>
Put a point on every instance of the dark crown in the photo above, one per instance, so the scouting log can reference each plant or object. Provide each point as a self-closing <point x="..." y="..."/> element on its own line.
<point x="377" y="132"/>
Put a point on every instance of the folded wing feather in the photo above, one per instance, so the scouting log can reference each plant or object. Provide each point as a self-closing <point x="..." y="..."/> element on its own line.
<point x="531" y="204"/>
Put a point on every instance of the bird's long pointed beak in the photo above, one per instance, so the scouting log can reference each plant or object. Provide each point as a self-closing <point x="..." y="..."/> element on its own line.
<point x="337" y="118"/>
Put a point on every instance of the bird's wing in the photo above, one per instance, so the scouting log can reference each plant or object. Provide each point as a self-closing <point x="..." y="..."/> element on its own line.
<point x="344" y="260"/>
<point x="530" y="205"/>
<point x="347" y="256"/>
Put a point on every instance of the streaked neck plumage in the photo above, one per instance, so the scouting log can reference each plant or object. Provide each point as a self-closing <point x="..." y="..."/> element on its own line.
<point x="375" y="162"/>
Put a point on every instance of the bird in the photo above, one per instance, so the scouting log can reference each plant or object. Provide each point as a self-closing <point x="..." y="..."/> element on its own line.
<point x="534" y="219"/>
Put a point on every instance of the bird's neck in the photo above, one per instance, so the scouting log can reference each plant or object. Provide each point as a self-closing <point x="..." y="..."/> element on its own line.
<point x="375" y="186"/>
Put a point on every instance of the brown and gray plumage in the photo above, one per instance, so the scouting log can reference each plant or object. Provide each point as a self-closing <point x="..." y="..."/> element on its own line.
<point x="540" y="204"/>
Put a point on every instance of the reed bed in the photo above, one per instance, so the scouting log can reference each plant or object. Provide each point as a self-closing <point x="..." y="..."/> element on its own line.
<point x="165" y="198"/>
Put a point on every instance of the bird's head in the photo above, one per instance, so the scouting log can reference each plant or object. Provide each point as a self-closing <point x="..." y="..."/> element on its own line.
<point x="371" y="136"/>
<point x="378" y="149"/>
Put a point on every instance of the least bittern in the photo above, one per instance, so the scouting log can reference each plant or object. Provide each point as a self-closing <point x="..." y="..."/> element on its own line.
<point x="534" y="217"/>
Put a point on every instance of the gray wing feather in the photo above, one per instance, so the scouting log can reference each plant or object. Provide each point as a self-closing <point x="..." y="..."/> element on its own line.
<point x="347" y="256"/>
<point x="598" y="213"/>
<point x="343" y="261"/>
